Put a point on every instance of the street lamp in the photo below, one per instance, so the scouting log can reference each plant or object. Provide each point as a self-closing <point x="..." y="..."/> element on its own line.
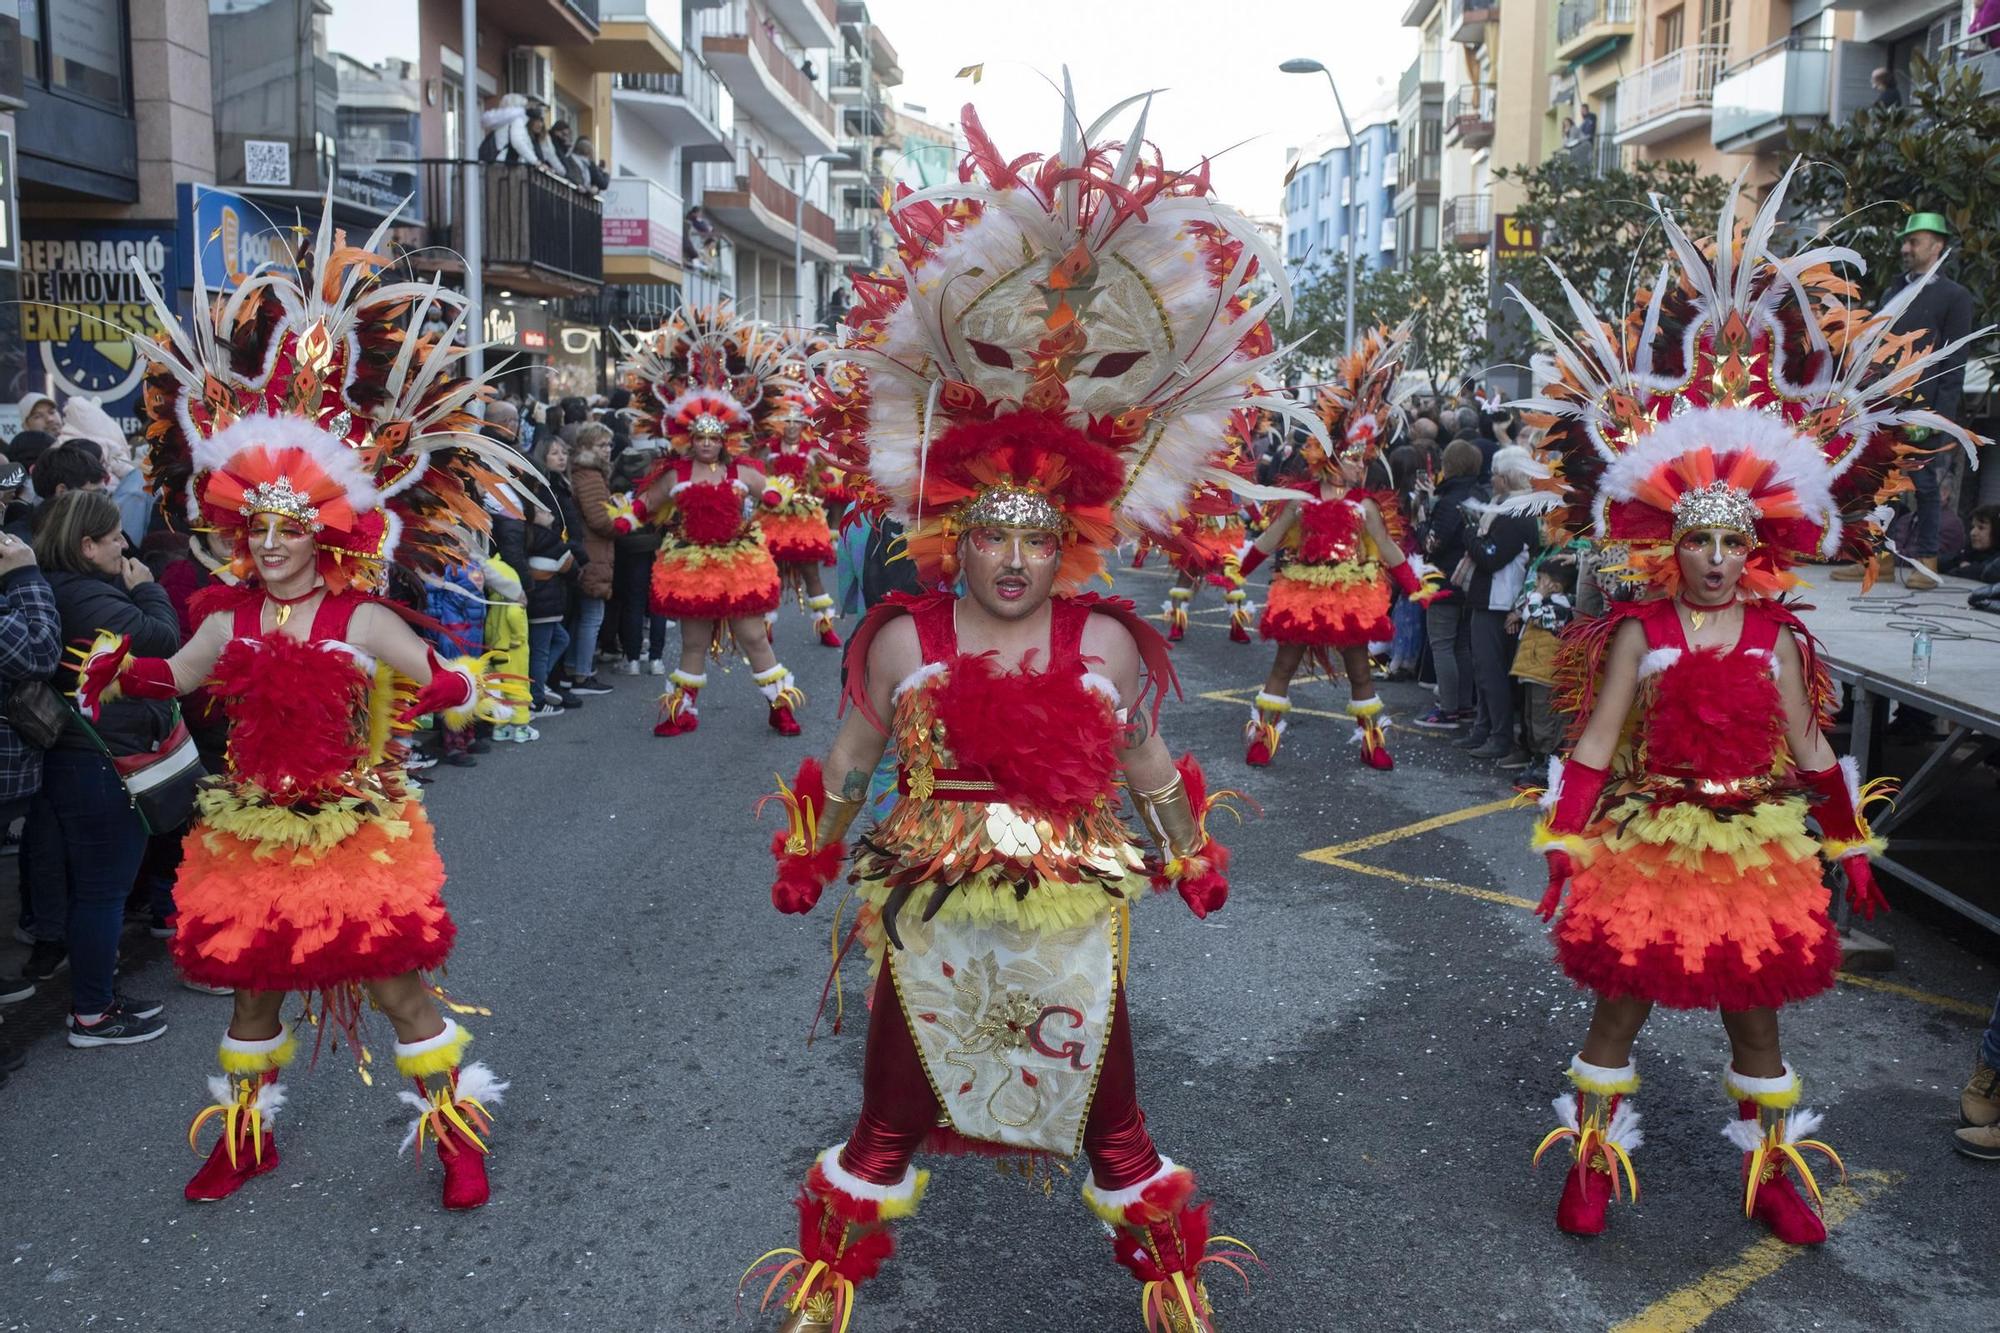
<point x="806" y="169"/>
<point x="1301" y="65"/>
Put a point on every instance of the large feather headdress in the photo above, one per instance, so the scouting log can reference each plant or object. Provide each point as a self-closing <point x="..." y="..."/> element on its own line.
<point x="310" y="391"/>
<point x="1358" y="406"/>
<point x="1744" y="390"/>
<point x="1057" y="342"/>
<point x="711" y="372"/>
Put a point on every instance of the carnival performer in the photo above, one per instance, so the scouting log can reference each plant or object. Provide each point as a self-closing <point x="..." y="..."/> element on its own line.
<point x="1079" y="326"/>
<point x="319" y="438"/>
<point x="794" y="518"/>
<point x="1741" y="419"/>
<point x="1342" y="556"/>
<point x="707" y="383"/>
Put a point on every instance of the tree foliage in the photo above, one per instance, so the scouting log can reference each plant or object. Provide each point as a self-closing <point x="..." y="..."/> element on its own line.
<point x="1939" y="152"/>
<point x="1444" y="289"/>
<point x="1598" y="229"/>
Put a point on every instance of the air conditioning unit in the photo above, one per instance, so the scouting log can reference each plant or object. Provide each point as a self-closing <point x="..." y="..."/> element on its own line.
<point x="529" y="73"/>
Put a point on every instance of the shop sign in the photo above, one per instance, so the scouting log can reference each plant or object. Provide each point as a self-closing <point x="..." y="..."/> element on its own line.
<point x="641" y="218"/>
<point x="517" y="328"/>
<point x="1513" y="238"/>
<point x="80" y="296"/>
<point x="229" y="237"/>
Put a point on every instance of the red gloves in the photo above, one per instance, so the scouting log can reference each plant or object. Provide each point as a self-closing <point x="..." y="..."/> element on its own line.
<point x="628" y="516"/>
<point x="1574" y="789"/>
<point x="1419" y="582"/>
<point x="451" y="687"/>
<point x="1253" y="556"/>
<point x="109" y="673"/>
<point x="804" y="867"/>
<point x="1178" y="817"/>
<point x="1837" y="800"/>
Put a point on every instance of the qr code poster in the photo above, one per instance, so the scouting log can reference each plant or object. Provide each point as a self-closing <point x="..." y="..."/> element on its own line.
<point x="267" y="162"/>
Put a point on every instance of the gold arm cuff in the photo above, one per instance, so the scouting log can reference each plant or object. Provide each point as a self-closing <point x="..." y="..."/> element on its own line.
<point x="836" y="817"/>
<point x="1169" y="818"/>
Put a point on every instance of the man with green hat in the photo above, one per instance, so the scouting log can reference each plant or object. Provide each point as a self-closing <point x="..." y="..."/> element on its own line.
<point x="1941" y="313"/>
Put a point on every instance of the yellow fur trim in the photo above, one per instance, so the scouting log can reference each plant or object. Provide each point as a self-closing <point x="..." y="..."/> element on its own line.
<point x="1365" y="707"/>
<point x="1345" y="574"/>
<point x="1113" y="1215"/>
<point x="1782" y="1100"/>
<point x="438" y="1059"/>
<point x="1621" y="1087"/>
<point x="1266" y="703"/>
<point x="1545" y="838"/>
<point x="1689" y="832"/>
<point x="892" y="1210"/>
<point x="246" y="813"/>
<point x="1835" y="849"/>
<point x="989" y="897"/>
<point x="244" y="1063"/>
<point x="1181" y="594"/>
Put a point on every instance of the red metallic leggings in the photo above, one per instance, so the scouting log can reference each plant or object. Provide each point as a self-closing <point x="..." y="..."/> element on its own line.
<point x="899" y="1110"/>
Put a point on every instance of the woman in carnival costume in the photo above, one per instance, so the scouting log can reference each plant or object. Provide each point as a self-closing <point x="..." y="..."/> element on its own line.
<point x="1742" y="419"/>
<point x="1208" y="544"/>
<point x="1342" y="558"/>
<point x="794" y="517"/>
<point x="321" y="439"/>
<point x="1045" y="368"/>
<point x="708" y="383"/>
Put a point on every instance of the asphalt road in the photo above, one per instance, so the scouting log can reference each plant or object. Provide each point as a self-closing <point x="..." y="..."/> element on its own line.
<point x="1356" y="1057"/>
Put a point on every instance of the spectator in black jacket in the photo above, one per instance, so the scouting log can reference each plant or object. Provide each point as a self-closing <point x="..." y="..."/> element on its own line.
<point x="535" y="548"/>
<point x="1446" y="625"/>
<point x="83" y="808"/>
<point x="642" y="636"/>
<point x="1499" y="548"/>
<point x="30" y="647"/>
<point x="1941" y="314"/>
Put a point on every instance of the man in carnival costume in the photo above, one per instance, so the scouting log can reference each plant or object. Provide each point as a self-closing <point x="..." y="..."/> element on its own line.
<point x="708" y="383"/>
<point x="1342" y="556"/>
<point x="1047" y="365"/>
<point x="321" y="439"/>
<point x="1743" y="418"/>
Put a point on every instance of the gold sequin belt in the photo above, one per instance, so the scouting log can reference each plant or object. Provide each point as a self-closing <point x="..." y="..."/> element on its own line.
<point x="945" y="784"/>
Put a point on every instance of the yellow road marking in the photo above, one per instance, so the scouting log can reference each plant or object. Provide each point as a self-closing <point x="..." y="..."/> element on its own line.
<point x="1244" y="697"/>
<point x="1921" y="996"/>
<point x="1696" y="1303"/>
<point x="1338" y="850"/>
<point x="1424" y="882"/>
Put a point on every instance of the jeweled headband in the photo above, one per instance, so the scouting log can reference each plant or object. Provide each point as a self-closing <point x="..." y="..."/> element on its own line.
<point x="1716" y="505"/>
<point x="1012" y="507"/>
<point x="280" y="497"/>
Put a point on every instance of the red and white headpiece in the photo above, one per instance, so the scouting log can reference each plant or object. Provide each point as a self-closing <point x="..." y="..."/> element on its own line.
<point x="1057" y="342"/>
<point x="1744" y="392"/>
<point x="1359" y="405"/>
<point x="708" y="373"/>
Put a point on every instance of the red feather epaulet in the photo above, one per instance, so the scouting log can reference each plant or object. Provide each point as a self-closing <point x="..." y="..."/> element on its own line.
<point x="894" y="605"/>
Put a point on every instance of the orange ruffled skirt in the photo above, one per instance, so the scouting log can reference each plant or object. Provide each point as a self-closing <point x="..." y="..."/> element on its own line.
<point x="1343" y="605"/>
<point x="1676" y="904"/>
<point x="257" y="914"/>
<point x="715" y="582"/>
<point x="798" y="535"/>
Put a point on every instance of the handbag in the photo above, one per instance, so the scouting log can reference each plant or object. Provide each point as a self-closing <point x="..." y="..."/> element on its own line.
<point x="38" y="715"/>
<point x="162" y="781"/>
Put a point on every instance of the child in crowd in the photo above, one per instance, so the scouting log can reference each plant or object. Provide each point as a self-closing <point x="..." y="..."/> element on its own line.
<point x="507" y="641"/>
<point x="1541" y="615"/>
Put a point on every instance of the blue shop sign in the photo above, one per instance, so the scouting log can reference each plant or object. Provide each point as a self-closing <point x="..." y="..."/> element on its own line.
<point x="228" y="236"/>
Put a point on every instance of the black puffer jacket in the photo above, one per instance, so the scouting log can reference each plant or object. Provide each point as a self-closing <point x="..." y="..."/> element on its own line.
<point x="88" y="603"/>
<point x="1443" y="534"/>
<point x="534" y="551"/>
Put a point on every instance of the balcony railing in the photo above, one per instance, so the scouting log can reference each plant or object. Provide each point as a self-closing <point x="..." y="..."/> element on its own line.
<point x="1468" y="115"/>
<point x="1428" y="67"/>
<point x="1979" y="49"/>
<point x="1466" y="20"/>
<point x="1669" y="95"/>
<point x="529" y="220"/>
<point x="748" y="175"/>
<point x="1787" y="81"/>
<point x="1578" y="18"/>
<point x="1468" y="220"/>
<point x="747" y="21"/>
<point x="695" y="85"/>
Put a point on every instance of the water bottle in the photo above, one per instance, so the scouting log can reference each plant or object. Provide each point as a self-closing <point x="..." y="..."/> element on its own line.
<point x="1920" y="658"/>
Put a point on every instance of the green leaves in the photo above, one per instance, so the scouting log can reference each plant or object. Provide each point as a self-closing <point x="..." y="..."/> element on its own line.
<point x="1444" y="289"/>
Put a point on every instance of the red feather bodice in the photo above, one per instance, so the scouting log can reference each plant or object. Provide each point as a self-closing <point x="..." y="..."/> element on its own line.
<point x="1332" y="532"/>
<point x="297" y="714"/>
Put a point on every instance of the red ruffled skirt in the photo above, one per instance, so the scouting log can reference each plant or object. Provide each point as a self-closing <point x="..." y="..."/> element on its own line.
<point x="715" y="582"/>
<point x="1692" y="909"/>
<point x="1343" y="605"/>
<point x="259" y="913"/>
<point x="797" y="535"/>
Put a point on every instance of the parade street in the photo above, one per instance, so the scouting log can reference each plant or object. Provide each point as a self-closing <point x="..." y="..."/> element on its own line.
<point x="1357" y="1054"/>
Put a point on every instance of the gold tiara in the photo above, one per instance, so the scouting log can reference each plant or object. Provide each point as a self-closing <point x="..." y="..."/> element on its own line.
<point x="1012" y="507"/>
<point x="280" y="497"/>
<point x="1716" y="505"/>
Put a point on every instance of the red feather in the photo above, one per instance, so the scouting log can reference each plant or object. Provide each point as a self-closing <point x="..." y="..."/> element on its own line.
<point x="864" y="1256"/>
<point x="711" y="513"/>
<point x="296" y="714"/>
<point x="1715" y="714"/>
<point x="1001" y="724"/>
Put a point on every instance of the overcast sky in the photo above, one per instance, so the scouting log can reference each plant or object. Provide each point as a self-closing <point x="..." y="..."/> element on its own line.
<point x="1216" y="61"/>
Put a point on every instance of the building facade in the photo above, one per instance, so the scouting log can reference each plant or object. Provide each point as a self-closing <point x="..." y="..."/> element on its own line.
<point x="1320" y="210"/>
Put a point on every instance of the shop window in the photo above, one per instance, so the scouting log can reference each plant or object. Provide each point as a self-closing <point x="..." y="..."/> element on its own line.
<point x="78" y="47"/>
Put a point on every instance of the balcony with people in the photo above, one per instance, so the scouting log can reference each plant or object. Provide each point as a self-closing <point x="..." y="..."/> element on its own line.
<point x="772" y="82"/>
<point x="1670" y="96"/>
<point x="539" y="234"/>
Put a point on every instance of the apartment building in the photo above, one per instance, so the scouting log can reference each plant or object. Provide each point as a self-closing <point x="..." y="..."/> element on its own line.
<point x="1481" y="78"/>
<point x="1722" y="82"/>
<point x="1591" y="44"/>
<point x="1321" y="208"/>
<point x="869" y="68"/>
